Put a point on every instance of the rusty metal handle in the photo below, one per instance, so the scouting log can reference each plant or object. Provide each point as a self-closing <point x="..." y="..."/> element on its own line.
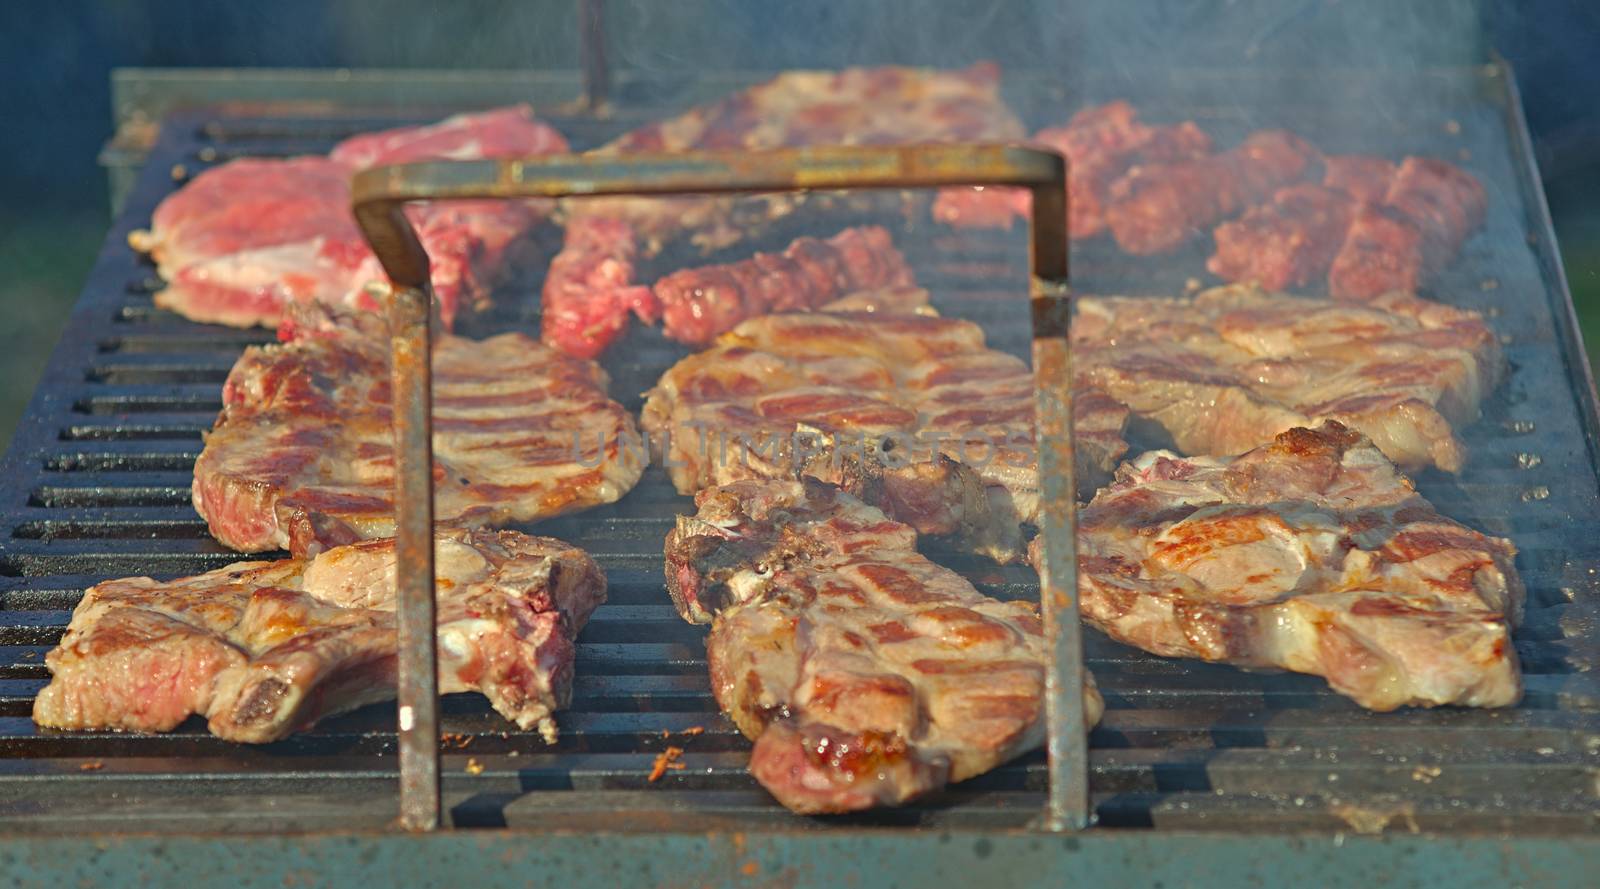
<point x="379" y="198"/>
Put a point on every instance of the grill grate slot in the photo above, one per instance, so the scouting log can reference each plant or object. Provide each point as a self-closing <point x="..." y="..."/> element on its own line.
<point x="97" y="486"/>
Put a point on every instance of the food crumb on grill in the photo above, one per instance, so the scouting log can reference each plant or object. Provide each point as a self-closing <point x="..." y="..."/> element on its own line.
<point x="179" y="172"/>
<point x="1425" y="774"/>
<point x="457" y="740"/>
<point x="693" y="730"/>
<point x="94" y="766"/>
<point x="1191" y="284"/>
<point x="666" y="759"/>
<point x="1489" y="284"/>
<point x="1453" y="127"/>
<point x="473" y="766"/>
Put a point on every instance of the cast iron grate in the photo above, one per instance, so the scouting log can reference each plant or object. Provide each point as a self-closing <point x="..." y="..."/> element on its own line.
<point x="96" y="485"/>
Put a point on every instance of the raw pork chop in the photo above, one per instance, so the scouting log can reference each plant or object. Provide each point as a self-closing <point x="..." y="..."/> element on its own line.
<point x="865" y="674"/>
<point x="249" y="238"/>
<point x="264" y="649"/>
<point x="302" y="457"/>
<point x="1310" y="554"/>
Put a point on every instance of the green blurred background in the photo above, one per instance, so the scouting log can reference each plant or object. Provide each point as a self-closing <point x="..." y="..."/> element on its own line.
<point x="55" y="60"/>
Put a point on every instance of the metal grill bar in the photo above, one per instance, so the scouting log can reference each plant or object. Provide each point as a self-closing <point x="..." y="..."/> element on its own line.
<point x="379" y="197"/>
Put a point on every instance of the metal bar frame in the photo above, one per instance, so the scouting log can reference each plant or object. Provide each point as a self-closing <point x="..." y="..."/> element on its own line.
<point x="379" y="197"/>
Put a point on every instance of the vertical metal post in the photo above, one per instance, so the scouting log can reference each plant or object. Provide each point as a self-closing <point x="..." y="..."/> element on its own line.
<point x="592" y="46"/>
<point x="1051" y="301"/>
<point x="410" y="317"/>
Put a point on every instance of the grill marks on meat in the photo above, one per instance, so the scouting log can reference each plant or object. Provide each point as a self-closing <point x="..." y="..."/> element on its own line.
<point x="1232" y="367"/>
<point x="911" y="413"/>
<point x="264" y="649"/>
<point x="1311" y="554"/>
<point x="302" y="458"/>
<point x="865" y="674"/>
<point x="1371" y="227"/>
<point x="1100" y="144"/>
<point x="1156" y="208"/>
<point x="588" y="295"/>
<point x="858" y="106"/>
<point x="245" y="240"/>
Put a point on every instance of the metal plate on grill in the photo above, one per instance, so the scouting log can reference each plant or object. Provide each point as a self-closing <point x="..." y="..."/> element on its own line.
<point x="96" y="485"/>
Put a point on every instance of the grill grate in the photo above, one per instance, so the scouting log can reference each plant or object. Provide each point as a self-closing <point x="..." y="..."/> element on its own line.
<point x="96" y="485"/>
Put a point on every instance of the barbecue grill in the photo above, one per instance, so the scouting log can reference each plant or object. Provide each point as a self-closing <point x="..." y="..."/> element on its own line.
<point x="1196" y="772"/>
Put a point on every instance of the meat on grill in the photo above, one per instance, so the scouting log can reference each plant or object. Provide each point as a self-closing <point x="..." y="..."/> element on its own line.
<point x="589" y="290"/>
<point x="245" y="240"/>
<point x="589" y="294"/>
<point x="1289" y="242"/>
<point x="1311" y="554"/>
<point x="264" y="649"/>
<point x="1100" y="144"/>
<point x="1370" y="227"/>
<point x="1361" y="176"/>
<point x="865" y="674"/>
<point x="1230" y="368"/>
<point x="856" y="106"/>
<point x="1427" y="213"/>
<point x="302" y="456"/>
<point x="1157" y="207"/>
<point x="699" y="304"/>
<point x="912" y="413"/>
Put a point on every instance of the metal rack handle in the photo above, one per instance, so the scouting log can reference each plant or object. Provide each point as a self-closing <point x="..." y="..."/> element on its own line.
<point x="379" y="199"/>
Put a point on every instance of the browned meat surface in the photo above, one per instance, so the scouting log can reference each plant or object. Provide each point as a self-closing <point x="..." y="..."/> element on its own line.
<point x="698" y="304"/>
<point x="913" y="413"/>
<point x="1100" y="143"/>
<point x="264" y="649"/>
<point x="865" y="674"/>
<point x="1287" y="243"/>
<point x="1157" y="207"/>
<point x="1310" y="554"/>
<point x="302" y="456"/>
<point x="1429" y="210"/>
<point x="1234" y="366"/>
<point x="1384" y="252"/>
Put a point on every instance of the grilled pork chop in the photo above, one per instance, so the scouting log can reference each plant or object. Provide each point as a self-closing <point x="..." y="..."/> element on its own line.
<point x="263" y="649"/>
<point x="865" y="674"/>
<point x="913" y="413"/>
<point x="302" y="456"/>
<point x="1230" y="368"/>
<point x="1311" y="554"/>
<point x="247" y="239"/>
